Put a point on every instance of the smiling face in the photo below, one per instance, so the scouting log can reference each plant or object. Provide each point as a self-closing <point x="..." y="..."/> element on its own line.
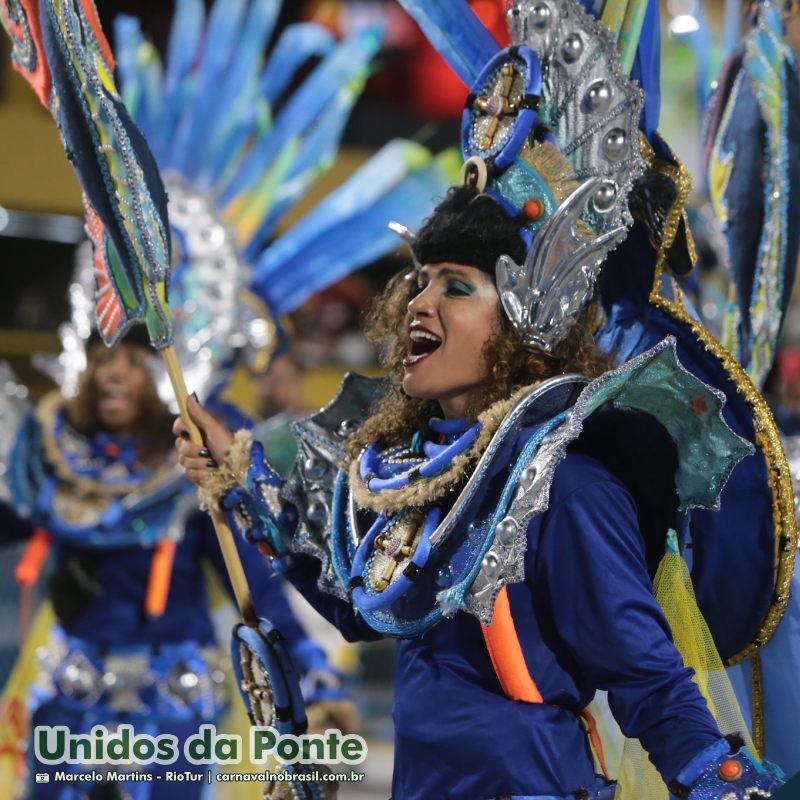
<point x="448" y="324"/>
<point x="121" y="381"/>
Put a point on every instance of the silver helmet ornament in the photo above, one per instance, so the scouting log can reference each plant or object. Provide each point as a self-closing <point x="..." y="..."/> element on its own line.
<point x="551" y="132"/>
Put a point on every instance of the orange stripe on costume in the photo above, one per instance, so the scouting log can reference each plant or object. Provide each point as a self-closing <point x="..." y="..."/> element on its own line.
<point x="35" y="554"/>
<point x="509" y="665"/>
<point x="160" y="578"/>
<point x="506" y="653"/>
<point x="595" y="740"/>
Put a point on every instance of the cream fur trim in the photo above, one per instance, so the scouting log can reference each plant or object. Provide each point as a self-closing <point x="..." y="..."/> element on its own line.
<point x="423" y="492"/>
<point x="231" y="472"/>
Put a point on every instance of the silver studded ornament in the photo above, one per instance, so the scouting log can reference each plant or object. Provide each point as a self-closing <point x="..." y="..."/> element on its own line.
<point x="572" y="49"/>
<point x="526" y="480"/>
<point x="317" y="512"/>
<point x="491" y="565"/>
<point x="615" y="144"/>
<point x="604" y="197"/>
<point x="314" y="468"/>
<point x="506" y="531"/>
<point x="539" y="16"/>
<point x="598" y="97"/>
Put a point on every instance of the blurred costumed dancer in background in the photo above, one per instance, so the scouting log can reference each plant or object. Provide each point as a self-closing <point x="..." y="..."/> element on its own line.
<point x="134" y="634"/>
<point x="503" y="516"/>
<point x="133" y="639"/>
<point x="752" y="160"/>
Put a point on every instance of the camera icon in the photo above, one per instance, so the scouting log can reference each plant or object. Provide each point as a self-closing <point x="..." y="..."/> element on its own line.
<point x="42" y="777"/>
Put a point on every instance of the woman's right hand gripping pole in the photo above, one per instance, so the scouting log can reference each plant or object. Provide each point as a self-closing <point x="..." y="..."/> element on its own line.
<point x="233" y="474"/>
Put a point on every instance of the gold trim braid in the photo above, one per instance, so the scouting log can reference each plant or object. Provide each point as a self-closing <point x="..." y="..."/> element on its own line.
<point x="757" y="704"/>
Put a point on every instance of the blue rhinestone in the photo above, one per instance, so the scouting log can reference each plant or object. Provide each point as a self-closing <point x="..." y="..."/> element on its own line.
<point x="474" y="532"/>
<point x="443" y="576"/>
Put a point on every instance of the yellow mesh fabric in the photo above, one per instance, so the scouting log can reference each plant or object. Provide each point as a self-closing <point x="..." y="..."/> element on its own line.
<point x="638" y="779"/>
<point x="14" y="721"/>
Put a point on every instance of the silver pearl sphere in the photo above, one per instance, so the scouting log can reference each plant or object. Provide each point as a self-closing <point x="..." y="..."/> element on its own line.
<point x="475" y="532"/>
<point x="214" y="235"/>
<point x="189" y="680"/>
<point x="539" y="16"/>
<point x="527" y="478"/>
<point x="506" y="530"/>
<point x="313" y="468"/>
<point x="598" y="97"/>
<point x="572" y="49"/>
<point x="604" y="197"/>
<point x="184" y="682"/>
<point x="615" y="145"/>
<point x="490" y="565"/>
<point x="317" y="513"/>
<point x="79" y="682"/>
<point x="347" y="427"/>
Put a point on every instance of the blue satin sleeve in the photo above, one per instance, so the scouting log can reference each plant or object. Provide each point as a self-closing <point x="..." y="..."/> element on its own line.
<point x="303" y="572"/>
<point x="590" y="562"/>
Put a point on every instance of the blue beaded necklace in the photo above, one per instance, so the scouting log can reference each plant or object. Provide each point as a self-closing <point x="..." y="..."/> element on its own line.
<point x="396" y="468"/>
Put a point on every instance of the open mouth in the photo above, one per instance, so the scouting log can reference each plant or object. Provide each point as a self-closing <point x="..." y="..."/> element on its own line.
<point x="421" y="343"/>
<point x="114" y="398"/>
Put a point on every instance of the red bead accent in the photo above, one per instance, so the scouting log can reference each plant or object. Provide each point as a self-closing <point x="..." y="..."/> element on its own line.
<point x="266" y="550"/>
<point x="112" y="450"/>
<point x="533" y="209"/>
<point x="730" y="770"/>
<point x="699" y="405"/>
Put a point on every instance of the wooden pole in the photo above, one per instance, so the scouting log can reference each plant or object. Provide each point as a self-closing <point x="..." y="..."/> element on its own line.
<point x="230" y="554"/>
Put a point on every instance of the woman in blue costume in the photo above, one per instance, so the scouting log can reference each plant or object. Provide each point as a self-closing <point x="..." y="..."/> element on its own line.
<point x="501" y="502"/>
<point x="582" y="617"/>
<point x="130" y="644"/>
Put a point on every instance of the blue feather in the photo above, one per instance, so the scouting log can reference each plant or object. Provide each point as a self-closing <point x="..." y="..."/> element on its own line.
<point x="249" y="126"/>
<point x="295" y="46"/>
<point x="732" y="27"/>
<point x="184" y="42"/>
<point x="217" y="115"/>
<point x="306" y="104"/>
<point x="152" y="82"/>
<point x="222" y="31"/>
<point x="386" y="169"/>
<point x="337" y="252"/>
<point x="127" y="40"/>
<point x="316" y="152"/>
<point x="400" y="181"/>
<point x="453" y="29"/>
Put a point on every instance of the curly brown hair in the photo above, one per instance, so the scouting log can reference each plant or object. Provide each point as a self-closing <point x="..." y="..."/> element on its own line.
<point x="513" y="365"/>
<point x="154" y="434"/>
